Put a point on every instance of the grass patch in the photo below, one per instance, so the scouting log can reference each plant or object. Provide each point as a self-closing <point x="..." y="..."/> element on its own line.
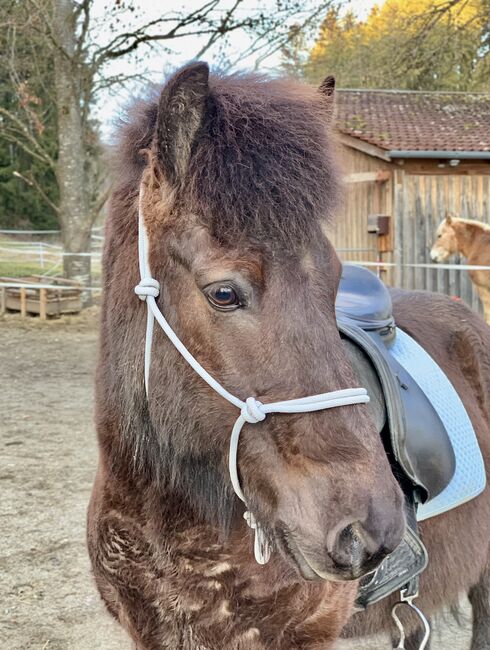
<point x="19" y="269"/>
<point x="16" y="269"/>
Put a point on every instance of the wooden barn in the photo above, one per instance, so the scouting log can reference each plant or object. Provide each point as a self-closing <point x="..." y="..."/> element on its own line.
<point x="409" y="158"/>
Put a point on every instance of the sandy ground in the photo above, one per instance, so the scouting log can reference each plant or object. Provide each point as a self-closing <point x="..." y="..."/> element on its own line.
<point x="47" y="464"/>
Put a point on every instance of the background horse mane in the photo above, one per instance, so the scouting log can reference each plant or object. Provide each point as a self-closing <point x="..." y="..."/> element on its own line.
<point x="470" y="222"/>
<point x="261" y="166"/>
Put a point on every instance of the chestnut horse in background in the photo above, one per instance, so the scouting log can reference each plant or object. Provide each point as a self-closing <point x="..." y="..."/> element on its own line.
<point x="471" y="238"/>
<point x="239" y="180"/>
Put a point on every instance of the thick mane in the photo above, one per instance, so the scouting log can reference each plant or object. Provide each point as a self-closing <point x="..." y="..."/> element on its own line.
<point x="261" y="166"/>
<point x="473" y="222"/>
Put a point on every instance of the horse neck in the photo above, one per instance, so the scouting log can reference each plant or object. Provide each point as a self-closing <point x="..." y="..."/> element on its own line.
<point x="466" y="237"/>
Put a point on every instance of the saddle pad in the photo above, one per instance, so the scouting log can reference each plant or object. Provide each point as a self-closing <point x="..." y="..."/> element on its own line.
<point x="469" y="478"/>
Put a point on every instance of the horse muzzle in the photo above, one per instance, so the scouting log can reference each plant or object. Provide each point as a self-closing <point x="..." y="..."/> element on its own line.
<point x="347" y="553"/>
<point x="438" y="255"/>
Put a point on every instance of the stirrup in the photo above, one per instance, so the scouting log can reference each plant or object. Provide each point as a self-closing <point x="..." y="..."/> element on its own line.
<point x="407" y="599"/>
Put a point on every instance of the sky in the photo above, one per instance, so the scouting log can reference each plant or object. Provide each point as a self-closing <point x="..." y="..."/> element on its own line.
<point x="155" y="62"/>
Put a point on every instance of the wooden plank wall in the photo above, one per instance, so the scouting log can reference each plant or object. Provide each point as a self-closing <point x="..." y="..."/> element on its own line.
<point x="359" y="199"/>
<point x="423" y="199"/>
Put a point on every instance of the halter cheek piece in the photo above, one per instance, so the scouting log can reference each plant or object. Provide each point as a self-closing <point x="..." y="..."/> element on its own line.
<point x="251" y="410"/>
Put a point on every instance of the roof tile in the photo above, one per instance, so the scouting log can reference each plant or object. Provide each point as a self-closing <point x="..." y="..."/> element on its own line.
<point x="416" y="121"/>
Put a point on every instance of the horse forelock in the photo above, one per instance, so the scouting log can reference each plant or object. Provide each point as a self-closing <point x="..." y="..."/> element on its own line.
<point x="262" y="167"/>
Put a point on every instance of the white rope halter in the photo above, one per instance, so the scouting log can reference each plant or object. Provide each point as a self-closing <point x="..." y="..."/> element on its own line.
<point x="251" y="410"/>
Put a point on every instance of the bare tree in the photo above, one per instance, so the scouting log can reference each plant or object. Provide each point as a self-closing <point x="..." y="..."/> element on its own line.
<point x="80" y="51"/>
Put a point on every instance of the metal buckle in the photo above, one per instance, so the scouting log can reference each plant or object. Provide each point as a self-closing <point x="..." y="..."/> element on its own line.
<point x="407" y="598"/>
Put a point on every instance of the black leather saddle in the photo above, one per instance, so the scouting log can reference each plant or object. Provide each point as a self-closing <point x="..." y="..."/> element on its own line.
<point x="414" y="436"/>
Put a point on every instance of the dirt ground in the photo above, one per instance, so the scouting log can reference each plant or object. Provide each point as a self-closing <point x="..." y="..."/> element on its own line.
<point x="47" y="463"/>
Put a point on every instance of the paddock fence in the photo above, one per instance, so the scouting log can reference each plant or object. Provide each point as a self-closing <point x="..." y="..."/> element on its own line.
<point x="31" y="273"/>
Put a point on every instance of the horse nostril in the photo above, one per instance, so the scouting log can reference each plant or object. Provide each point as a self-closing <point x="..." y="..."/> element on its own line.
<point x="355" y="549"/>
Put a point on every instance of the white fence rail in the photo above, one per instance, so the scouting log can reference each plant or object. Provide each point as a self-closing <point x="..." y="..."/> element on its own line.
<point x="29" y="251"/>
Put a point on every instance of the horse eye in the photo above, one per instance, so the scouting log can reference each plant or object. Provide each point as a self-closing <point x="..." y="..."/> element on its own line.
<point x="223" y="297"/>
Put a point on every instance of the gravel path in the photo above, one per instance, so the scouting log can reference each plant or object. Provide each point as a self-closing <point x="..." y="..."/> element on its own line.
<point x="47" y="464"/>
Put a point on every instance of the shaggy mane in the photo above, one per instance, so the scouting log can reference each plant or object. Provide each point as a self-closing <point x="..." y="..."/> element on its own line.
<point x="261" y="166"/>
<point x="473" y="222"/>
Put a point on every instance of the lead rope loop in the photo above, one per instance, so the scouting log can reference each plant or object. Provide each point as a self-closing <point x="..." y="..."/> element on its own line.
<point x="251" y="410"/>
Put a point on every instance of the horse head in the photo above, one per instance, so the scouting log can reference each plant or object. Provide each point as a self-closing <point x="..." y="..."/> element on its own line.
<point x="446" y="243"/>
<point x="236" y="187"/>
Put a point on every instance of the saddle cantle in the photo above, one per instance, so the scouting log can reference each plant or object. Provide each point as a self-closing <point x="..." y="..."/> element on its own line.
<point x="416" y="438"/>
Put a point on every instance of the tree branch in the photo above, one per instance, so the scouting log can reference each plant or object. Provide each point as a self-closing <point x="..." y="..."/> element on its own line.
<point x="129" y="41"/>
<point x="32" y="182"/>
<point x="223" y="29"/>
<point x="84" y="7"/>
<point x="24" y="131"/>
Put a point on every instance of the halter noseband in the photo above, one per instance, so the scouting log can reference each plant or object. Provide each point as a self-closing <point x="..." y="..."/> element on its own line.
<point x="251" y="410"/>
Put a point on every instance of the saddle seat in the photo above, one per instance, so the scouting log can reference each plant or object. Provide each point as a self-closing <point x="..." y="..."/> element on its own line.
<point x="363" y="300"/>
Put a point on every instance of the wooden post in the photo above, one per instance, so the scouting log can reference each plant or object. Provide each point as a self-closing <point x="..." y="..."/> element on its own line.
<point x="399" y="202"/>
<point x="42" y="303"/>
<point x="23" y="302"/>
<point x="3" y="300"/>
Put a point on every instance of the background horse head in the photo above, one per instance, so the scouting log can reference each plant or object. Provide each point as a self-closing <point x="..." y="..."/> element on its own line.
<point x="470" y="238"/>
<point x="446" y="243"/>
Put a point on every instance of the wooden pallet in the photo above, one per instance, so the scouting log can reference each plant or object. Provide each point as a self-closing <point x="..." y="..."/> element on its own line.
<point x="43" y="300"/>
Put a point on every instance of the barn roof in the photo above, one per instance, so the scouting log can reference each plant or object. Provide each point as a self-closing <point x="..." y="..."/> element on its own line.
<point x="409" y="121"/>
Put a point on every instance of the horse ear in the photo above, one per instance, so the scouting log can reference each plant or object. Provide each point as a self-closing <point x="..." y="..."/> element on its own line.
<point x="327" y="88"/>
<point x="449" y="219"/>
<point x="181" y="111"/>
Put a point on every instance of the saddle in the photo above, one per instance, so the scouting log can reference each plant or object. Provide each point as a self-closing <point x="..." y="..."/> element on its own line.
<point x="415" y="439"/>
<point x="418" y="440"/>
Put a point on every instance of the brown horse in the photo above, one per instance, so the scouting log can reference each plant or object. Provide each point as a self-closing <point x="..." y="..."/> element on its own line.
<point x="238" y="182"/>
<point x="472" y="239"/>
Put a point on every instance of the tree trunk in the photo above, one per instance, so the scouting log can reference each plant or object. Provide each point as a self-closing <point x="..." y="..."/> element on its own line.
<point x="75" y="214"/>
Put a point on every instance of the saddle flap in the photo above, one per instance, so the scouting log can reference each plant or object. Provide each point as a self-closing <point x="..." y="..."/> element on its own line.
<point x="418" y="440"/>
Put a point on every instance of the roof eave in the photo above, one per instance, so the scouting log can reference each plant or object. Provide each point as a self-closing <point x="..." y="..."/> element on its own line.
<point x="450" y="155"/>
<point x="363" y="146"/>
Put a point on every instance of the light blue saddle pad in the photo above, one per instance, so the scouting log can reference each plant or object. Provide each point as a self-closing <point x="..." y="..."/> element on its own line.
<point x="469" y="478"/>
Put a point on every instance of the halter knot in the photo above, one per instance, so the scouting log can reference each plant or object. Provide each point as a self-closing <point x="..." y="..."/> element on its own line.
<point x="147" y="287"/>
<point x="252" y="411"/>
